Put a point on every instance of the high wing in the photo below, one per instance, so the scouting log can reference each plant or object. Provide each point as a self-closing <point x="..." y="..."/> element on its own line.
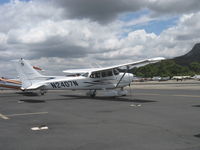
<point x="80" y="71"/>
<point x="129" y="65"/>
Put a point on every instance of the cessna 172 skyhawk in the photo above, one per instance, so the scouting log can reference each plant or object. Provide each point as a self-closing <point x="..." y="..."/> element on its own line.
<point x="107" y="79"/>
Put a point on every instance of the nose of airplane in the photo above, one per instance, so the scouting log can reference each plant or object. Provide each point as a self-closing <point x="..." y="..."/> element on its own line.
<point x="130" y="76"/>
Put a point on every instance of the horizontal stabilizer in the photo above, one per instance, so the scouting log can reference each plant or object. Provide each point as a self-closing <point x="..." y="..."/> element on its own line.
<point x="36" y="86"/>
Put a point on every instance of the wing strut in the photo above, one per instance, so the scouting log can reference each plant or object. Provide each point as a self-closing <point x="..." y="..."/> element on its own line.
<point x="127" y="69"/>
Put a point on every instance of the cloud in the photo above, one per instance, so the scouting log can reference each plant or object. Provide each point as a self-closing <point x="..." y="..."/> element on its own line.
<point x="102" y="11"/>
<point x="58" y="35"/>
<point x="171" y="7"/>
<point x="106" y="11"/>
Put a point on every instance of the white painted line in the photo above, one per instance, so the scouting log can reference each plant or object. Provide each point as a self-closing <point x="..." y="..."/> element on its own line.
<point x="135" y="105"/>
<point x="3" y="117"/>
<point x="26" y="114"/>
<point x="20" y="102"/>
<point x="39" y="128"/>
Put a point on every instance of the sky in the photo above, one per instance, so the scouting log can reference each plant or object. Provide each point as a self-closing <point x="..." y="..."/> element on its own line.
<point x="63" y="34"/>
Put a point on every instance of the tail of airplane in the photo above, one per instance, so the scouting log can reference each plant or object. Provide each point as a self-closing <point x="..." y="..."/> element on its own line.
<point x="26" y="73"/>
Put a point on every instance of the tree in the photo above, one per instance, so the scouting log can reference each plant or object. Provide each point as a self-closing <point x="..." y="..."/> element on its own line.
<point x="195" y="66"/>
<point x="166" y="68"/>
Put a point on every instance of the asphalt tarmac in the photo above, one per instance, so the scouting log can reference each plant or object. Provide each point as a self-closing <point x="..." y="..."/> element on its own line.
<point x="147" y="119"/>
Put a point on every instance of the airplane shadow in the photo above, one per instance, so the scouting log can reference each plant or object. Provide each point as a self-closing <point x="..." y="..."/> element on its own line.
<point x="116" y="99"/>
<point x="195" y="105"/>
<point x="47" y="100"/>
<point x="82" y="97"/>
<point x="28" y="93"/>
<point x="197" y="135"/>
<point x="32" y="100"/>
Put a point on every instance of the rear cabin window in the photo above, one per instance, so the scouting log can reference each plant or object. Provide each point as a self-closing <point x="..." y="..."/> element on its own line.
<point x="107" y="73"/>
<point x="103" y="74"/>
<point x="110" y="73"/>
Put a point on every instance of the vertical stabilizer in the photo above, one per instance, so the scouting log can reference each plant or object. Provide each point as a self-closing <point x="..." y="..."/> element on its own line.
<point x="26" y="73"/>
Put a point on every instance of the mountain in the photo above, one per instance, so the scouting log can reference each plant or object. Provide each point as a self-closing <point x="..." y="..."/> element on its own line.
<point x="187" y="65"/>
<point x="191" y="56"/>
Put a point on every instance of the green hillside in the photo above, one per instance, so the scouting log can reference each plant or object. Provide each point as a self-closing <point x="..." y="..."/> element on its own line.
<point x="188" y="64"/>
<point x="167" y="68"/>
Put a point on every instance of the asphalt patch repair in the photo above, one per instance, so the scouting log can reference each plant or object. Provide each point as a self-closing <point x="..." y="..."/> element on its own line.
<point x="197" y="135"/>
<point x="196" y="106"/>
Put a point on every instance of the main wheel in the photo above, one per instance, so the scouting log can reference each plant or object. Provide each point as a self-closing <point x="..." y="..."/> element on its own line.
<point x="91" y="93"/>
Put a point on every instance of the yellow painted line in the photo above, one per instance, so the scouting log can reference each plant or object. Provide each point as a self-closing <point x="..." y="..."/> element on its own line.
<point x="26" y="114"/>
<point x="3" y="117"/>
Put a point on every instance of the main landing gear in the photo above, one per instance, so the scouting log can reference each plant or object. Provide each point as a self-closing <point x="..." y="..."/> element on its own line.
<point x="108" y="93"/>
<point x="42" y="91"/>
<point x="91" y="93"/>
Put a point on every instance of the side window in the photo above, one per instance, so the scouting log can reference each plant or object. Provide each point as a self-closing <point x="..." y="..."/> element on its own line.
<point x="107" y="73"/>
<point x="110" y="73"/>
<point x="95" y="75"/>
<point x="103" y="74"/>
<point x="92" y="75"/>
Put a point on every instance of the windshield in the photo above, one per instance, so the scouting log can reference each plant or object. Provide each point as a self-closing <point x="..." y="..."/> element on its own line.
<point x="85" y="74"/>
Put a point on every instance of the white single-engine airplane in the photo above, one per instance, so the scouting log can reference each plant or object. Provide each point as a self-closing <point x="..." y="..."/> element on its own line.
<point x="108" y="79"/>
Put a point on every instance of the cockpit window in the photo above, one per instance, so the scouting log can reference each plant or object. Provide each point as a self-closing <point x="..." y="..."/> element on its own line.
<point x="107" y="73"/>
<point x="85" y="74"/>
